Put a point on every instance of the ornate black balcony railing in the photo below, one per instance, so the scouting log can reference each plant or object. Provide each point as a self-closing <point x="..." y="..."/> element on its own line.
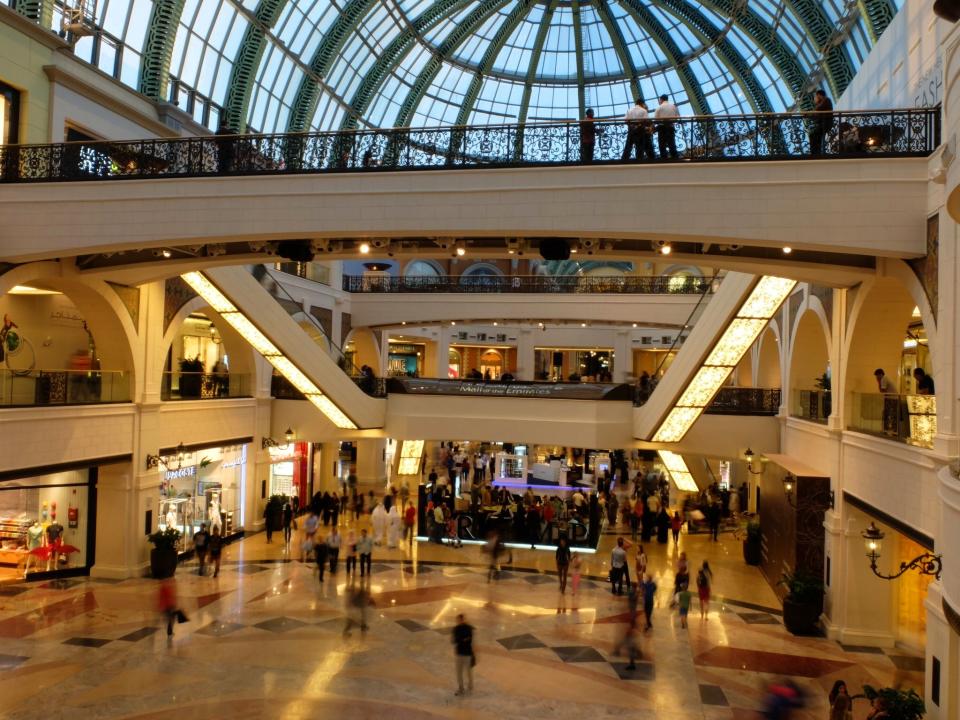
<point x="888" y="133"/>
<point x="653" y="285"/>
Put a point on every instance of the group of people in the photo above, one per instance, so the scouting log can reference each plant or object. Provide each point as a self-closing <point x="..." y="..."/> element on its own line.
<point x="925" y="384"/>
<point x="642" y="125"/>
<point x="641" y="128"/>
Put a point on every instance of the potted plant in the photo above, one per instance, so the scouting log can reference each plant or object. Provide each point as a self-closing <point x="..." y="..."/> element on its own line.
<point x="753" y="544"/>
<point x="163" y="556"/>
<point x="898" y="704"/>
<point x="803" y="602"/>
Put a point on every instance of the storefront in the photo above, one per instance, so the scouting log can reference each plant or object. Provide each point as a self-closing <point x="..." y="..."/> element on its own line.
<point x="48" y="524"/>
<point x="289" y="471"/>
<point x="574" y="364"/>
<point x="405" y="359"/>
<point x="203" y="485"/>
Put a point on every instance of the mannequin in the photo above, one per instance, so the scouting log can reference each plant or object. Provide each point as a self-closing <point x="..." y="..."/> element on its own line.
<point x="213" y="513"/>
<point x="171" y="518"/>
<point x="54" y="537"/>
<point x="35" y="539"/>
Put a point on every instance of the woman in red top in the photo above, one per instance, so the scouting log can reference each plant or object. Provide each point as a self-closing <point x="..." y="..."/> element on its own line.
<point x="676" y="522"/>
<point x="409" y="520"/>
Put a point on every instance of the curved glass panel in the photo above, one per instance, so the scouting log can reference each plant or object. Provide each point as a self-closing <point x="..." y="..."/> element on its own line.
<point x="325" y="64"/>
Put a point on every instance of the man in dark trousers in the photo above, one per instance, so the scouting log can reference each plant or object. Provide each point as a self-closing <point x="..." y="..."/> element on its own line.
<point x="588" y="137"/>
<point x="822" y="121"/>
<point x="463" y="654"/>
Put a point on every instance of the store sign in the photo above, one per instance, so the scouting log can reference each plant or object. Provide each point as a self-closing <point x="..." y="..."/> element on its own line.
<point x="284" y="453"/>
<point x="189" y="471"/>
<point x="560" y="391"/>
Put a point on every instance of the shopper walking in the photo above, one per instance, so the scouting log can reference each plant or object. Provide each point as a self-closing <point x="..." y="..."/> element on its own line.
<point x="640" y="563"/>
<point x="409" y="523"/>
<point x="216" y="550"/>
<point x="649" y="595"/>
<point x="463" y="654"/>
<point x="351" y="553"/>
<point x="676" y="523"/>
<point x="286" y="521"/>
<point x="618" y="567"/>
<point x="333" y="549"/>
<point x="365" y="550"/>
<point x="666" y="116"/>
<point x="321" y="552"/>
<point x="563" y="563"/>
<point x="167" y="603"/>
<point x="201" y="539"/>
<point x="704" y="583"/>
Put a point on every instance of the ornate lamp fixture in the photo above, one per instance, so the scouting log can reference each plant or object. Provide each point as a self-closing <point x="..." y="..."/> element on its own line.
<point x="748" y="456"/>
<point x="166" y="460"/>
<point x="269" y="442"/>
<point x="926" y="564"/>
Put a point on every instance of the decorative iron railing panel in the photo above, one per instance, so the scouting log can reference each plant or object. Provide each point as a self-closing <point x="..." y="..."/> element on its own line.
<point x="653" y="285"/>
<point x="785" y="136"/>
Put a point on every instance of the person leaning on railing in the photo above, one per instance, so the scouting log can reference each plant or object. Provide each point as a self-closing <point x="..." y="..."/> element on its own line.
<point x="822" y="119"/>
<point x="588" y="137"/>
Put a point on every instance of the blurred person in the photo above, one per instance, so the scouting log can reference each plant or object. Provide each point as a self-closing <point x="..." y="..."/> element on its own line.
<point x="463" y="651"/>
<point x="618" y="567"/>
<point x="409" y="523"/>
<point x="201" y="541"/>
<point x="334" y="539"/>
<point x="563" y="563"/>
<point x="287" y="521"/>
<point x="704" y="584"/>
<point x="676" y="523"/>
<point x="781" y="699"/>
<point x="649" y="596"/>
<point x="393" y="527"/>
<point x="365" y="550"/>
<point x="321" y="551"/>
<point x="216" y="550"/>
<point x="841" y="704"/>
<point x="351" y="549"/>
<point x="684" y="597"/>
<point x="167" y="603"/>
<point x="357" y="601"/>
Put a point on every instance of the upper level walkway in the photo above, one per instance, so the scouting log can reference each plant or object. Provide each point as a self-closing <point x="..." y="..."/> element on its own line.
<point x="854" y="198"/>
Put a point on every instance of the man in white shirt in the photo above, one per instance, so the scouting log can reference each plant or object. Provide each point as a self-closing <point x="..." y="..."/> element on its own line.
<point x="665" y="115"/>
<point x="883" y="382"/>
<point x="634" y="119"/>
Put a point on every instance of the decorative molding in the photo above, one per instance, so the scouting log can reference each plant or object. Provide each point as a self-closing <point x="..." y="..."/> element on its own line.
<point x="130" y="298"/>
<point x="176" y="294"/>
<point x="919" y="537"/>
<point x="60" y="76"/>
<point x="952" y="616"/>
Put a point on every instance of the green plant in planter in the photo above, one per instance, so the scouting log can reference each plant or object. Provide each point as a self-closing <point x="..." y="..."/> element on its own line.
<point x="899" y="704"/>
<point x="800" y="587"/>
<point x="803" y="603"/>
<point x="165" y="539"/>
<point x="823" y="383"/>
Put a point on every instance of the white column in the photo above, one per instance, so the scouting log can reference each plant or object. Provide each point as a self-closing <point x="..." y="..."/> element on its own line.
<point x="525" y="355"/>
<point x="622" y="362"/>
<point x="443" y="352"/>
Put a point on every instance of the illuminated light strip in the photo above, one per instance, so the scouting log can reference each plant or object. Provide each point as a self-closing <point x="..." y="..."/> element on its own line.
<point x="410" y="453"/>
<point x="252" y="334"/>
<point x="742" y="332"/>
<point x="678" y="471"/>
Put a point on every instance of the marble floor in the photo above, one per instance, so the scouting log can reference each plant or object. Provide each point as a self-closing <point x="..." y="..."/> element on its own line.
<point x="265" y="640"/>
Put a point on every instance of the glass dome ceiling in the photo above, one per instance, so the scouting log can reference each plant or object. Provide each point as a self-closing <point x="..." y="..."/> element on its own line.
<point x="293" y="65"/>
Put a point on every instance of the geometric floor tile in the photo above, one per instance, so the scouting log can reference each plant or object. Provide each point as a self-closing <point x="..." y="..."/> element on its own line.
<point x="521" y="642"/>
<point x="219" y="629"/>
<point x="642" y="671"/>
<point x="908" y="663"/>
<point x="335" y="624"/>
<point x="139" y="634"/>
<point x="412" y="625"/>
<point x="578" y="654"/>
<point x="12" y="590"/>
<point x="861" y="649"/>
<point x="250" y="569"/>
<point x="713" y="695"/>
<point x="86" y="642"/>
<point x="418" y="569"/>
<point x="280" y="624"/>
<point x="9" y="662"/>
<point x="759" y="618"/>
<point x="732" y="658"/>
<point x="539" y="579"/>
<point x="61" y="584"/>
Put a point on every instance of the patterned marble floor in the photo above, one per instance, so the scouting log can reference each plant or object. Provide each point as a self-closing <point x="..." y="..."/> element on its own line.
<point x="265" y="640"/>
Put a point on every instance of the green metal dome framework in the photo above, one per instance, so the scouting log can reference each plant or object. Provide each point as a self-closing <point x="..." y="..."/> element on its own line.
<point x="299" y="65"/>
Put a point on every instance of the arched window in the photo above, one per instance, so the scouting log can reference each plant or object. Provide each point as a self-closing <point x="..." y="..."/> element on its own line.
<point x="422" y="269"/>
<point x="480" y="274"/>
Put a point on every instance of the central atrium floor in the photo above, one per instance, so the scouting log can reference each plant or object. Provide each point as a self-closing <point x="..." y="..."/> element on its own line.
<point x="265" y="640"/>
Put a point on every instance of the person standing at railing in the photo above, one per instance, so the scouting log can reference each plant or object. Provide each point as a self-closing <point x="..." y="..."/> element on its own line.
<point x="635" y="118"/>
<point x="822" y="121"/>
<point x="588" y="138"/>
<point x="925" y="384"/>
<point x="666" y="116"/>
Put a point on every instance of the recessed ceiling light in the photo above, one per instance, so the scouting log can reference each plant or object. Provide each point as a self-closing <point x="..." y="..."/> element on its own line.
<point x="573" y="251"/>
<point x="461" y="251"/>
<point x="494" y="323"/>
<point x="539" y="324"/>
<point x="403" y="322"/>
<point x="787" y="250"/>
<point x="634" y="324"/>
<point x="510" y="251"/>
<point x="364" y="248"/>
<point x="167" y="253"/>
<point x="453" y="322"/>
<point x="583" y="324"/>
<point x="666" y="250"/>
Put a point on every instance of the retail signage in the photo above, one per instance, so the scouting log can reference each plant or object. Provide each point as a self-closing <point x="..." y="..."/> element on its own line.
<point x="179" y="473"/>
<point x="284" y="453"/>
<point x="560" y="391"/>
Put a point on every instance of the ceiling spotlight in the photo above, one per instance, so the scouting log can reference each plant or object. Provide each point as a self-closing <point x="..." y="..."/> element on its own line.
<point x="167" y="253"/>
<point x="494" y="323"/>
<point x="583" y="324"/>
<point x="666" y="250"/>
<point x="634" y="324"/>
<point x="540" y="324"/>
<point x="453" y="322"/>
<point x="403" y="322"/>
<point x="787" y="250"/>
<point x="364" y="248"/>
<point x="510" y="251"/>
<point x="461" y="251"/>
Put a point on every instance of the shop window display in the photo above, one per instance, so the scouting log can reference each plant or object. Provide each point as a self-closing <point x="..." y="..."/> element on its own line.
<point x="44" y="523"/>
<point x="205" y="488"/>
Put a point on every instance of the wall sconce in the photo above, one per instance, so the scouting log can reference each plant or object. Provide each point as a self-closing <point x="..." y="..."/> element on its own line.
<point x="926" y="564"/>
<point x="165" y="460"/>
<point x="269" y="442"/>
<point x="748" y="456"/>
<point x="789" y="485"/>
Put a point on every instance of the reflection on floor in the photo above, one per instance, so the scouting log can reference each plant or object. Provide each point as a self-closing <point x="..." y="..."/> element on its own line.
<point x="265" y="640"/>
